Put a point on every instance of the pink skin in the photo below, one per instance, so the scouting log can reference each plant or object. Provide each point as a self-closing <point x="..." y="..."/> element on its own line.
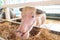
<point x="26" y="25"/>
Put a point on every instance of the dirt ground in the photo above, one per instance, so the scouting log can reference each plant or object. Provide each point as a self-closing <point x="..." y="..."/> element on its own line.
<point x="7" y="31"/>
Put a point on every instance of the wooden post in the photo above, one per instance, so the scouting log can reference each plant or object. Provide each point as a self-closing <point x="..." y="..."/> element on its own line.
<point x="7" y="13"/>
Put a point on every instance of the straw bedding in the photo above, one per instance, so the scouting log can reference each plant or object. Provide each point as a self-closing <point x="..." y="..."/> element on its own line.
<point x="7" y="32"/>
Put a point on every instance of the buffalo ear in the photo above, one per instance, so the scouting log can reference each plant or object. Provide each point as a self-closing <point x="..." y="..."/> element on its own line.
<point x="39" y="11"/>
<point x="20" y="9"/>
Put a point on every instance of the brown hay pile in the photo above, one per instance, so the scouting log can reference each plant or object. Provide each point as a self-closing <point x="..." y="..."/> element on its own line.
<point x="7" y="31"/>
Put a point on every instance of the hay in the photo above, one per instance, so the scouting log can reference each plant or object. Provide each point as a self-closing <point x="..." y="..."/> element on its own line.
<point x="7" y="31"/>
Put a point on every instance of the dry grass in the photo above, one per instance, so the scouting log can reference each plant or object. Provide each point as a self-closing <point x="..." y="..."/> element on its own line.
<point x="7" y="31"/>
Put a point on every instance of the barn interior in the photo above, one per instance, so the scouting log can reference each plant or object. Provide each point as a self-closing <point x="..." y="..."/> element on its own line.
<point x="10" y="19"/>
